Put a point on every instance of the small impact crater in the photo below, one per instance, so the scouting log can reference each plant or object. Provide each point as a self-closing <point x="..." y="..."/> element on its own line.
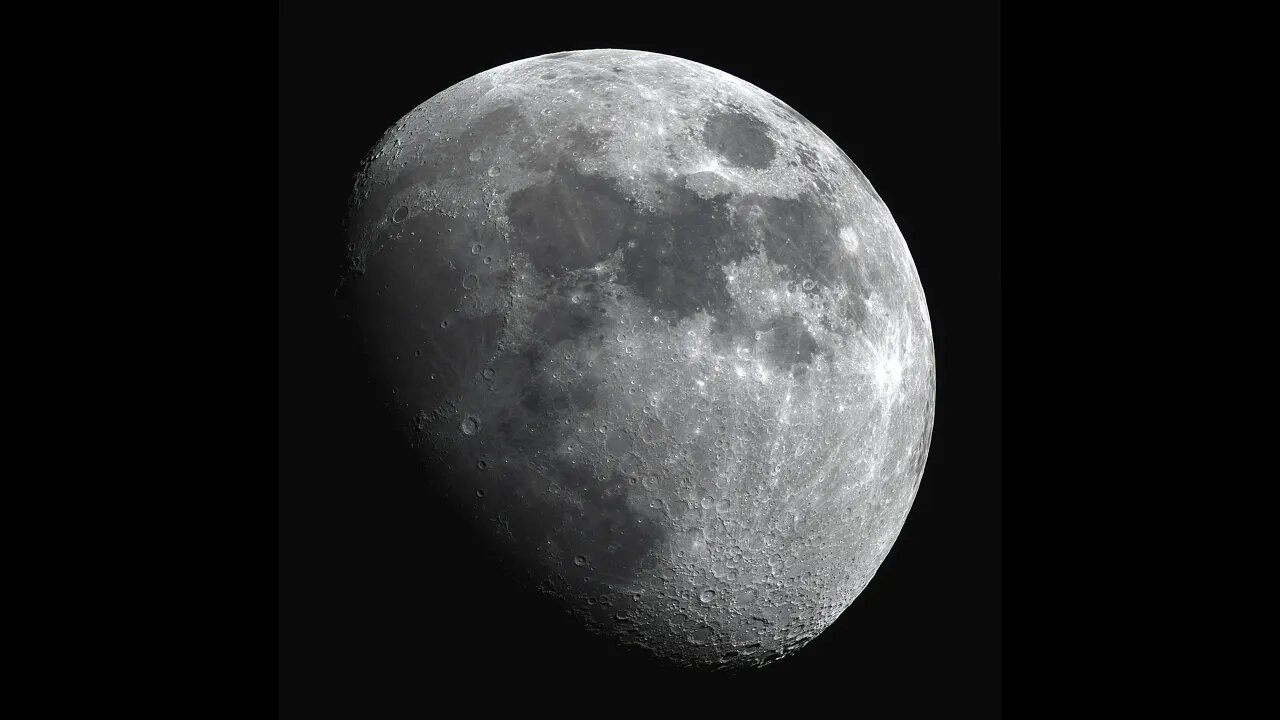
<point x="471" y="425"/>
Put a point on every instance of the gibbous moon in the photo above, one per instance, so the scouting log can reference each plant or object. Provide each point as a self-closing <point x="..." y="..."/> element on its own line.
<point x="659" y="334"/>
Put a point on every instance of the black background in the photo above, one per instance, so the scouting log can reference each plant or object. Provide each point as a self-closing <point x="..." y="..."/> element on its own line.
<point x="386" y="608"/>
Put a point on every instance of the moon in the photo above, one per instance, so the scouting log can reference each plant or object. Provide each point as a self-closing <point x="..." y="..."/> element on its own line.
<point x="658" y="334"/>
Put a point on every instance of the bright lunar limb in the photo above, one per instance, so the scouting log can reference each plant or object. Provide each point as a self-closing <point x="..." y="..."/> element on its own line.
<point x="660" y="333"/>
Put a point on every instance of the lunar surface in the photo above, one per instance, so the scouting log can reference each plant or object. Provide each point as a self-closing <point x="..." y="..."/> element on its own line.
<point x="658" y="335"/>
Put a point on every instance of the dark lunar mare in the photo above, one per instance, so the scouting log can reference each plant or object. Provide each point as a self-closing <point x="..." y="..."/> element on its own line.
<point x="741" y="139"/>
